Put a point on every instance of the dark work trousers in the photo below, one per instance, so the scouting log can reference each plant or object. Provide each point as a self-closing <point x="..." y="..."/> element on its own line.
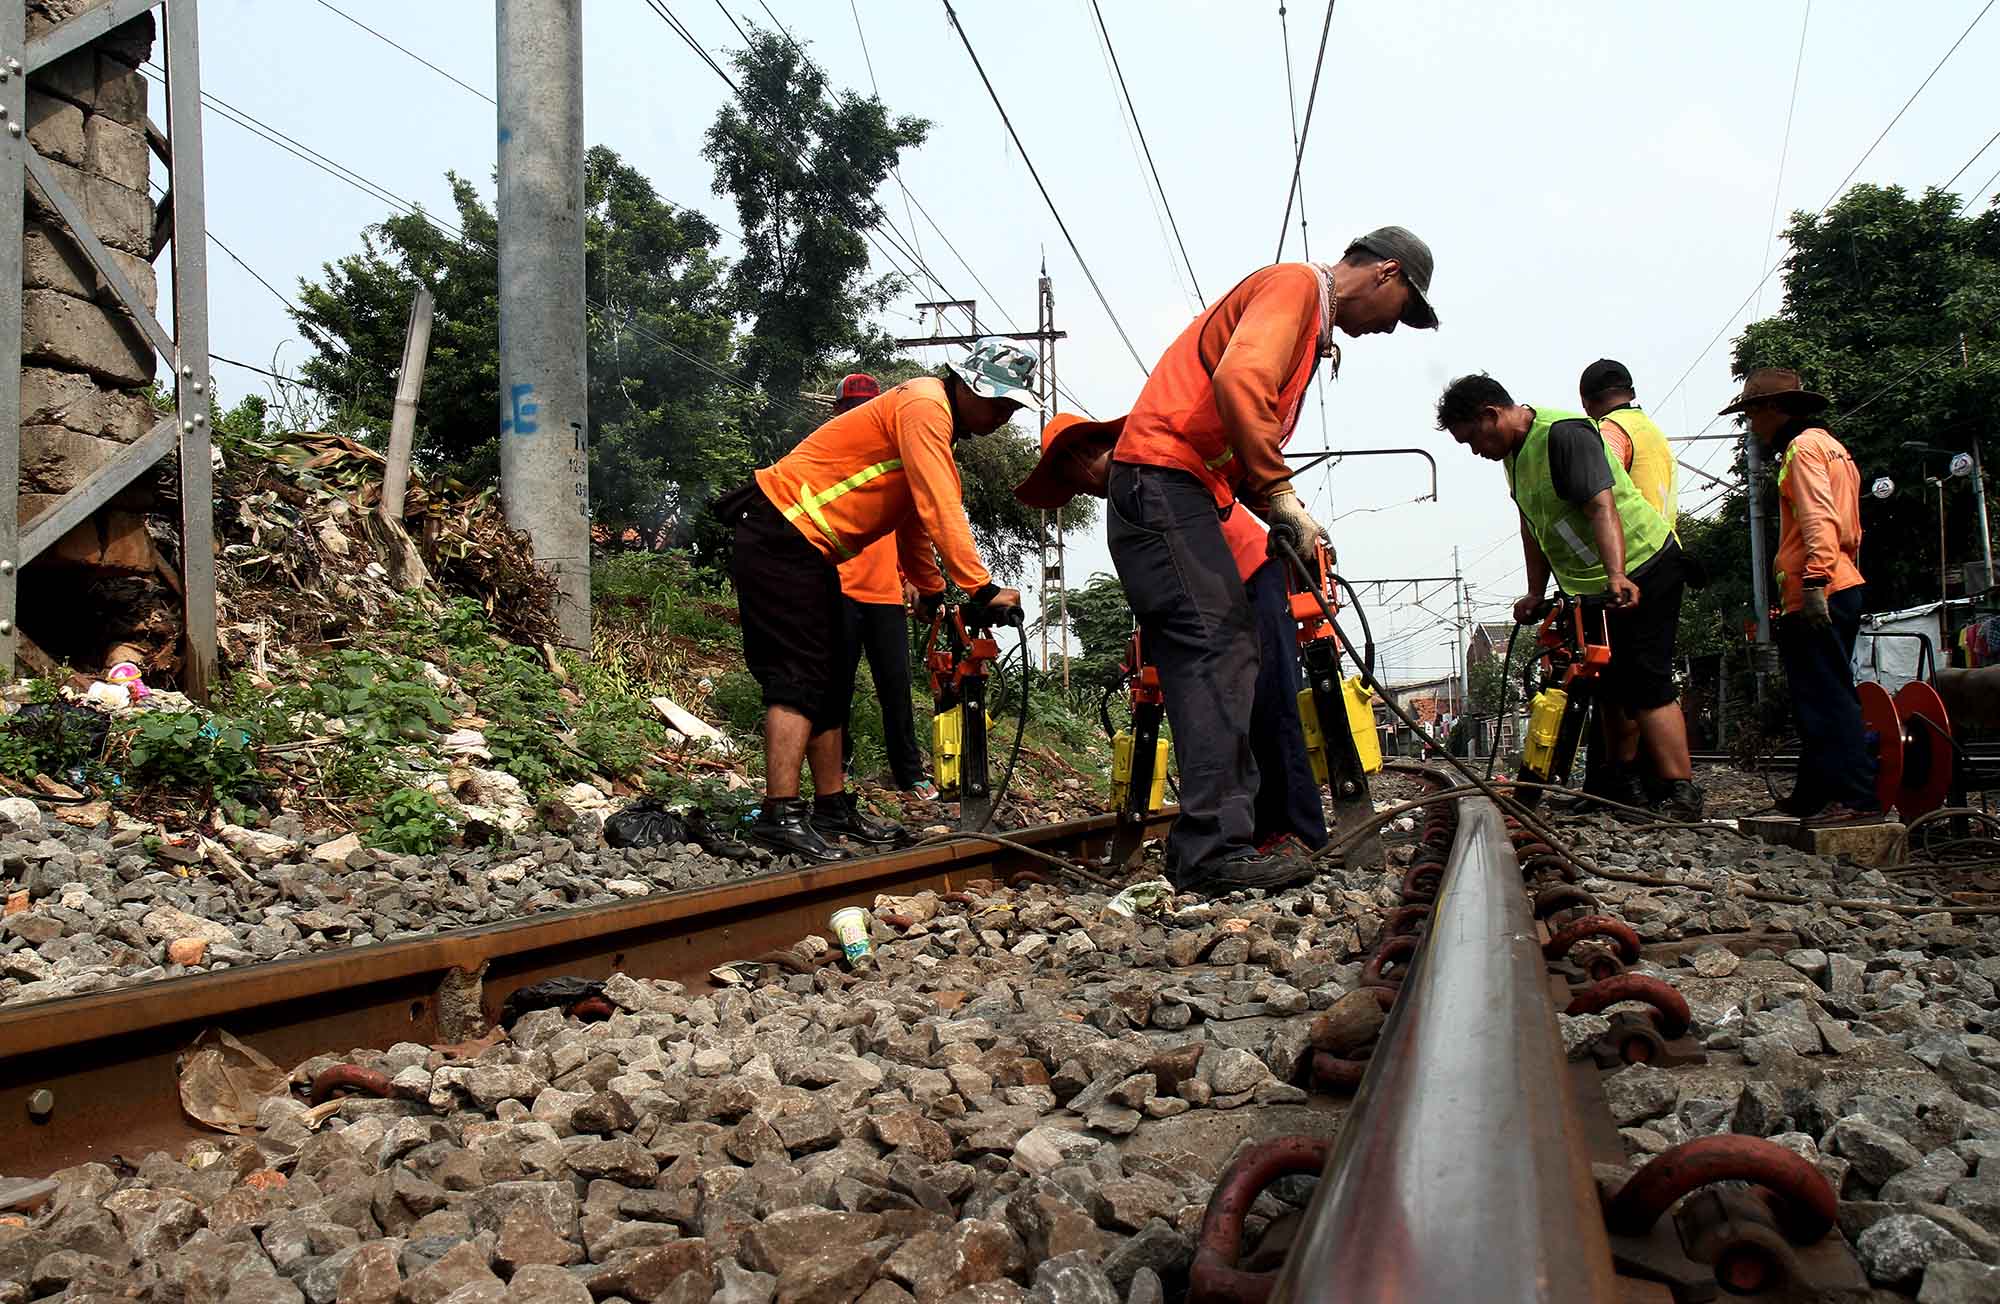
<point x="1287" y="793"/>
<point x="882" y="630"/>
<point x="1834" y="764"/>
<point x="1194" y="618"/>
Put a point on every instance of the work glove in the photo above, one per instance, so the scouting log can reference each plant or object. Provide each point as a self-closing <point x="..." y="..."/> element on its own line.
<point x="1291" y="522"/>
<point x="1815" y="610"/>
<point x="928" y="605"/>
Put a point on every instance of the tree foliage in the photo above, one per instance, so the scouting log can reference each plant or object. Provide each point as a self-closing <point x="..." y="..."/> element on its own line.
<point x="1891" y="303"/>
<point x="802" y="164"/>
<point x="1101" y="619"/>
<point x="665" y="435"/>
<point x="697" y="364"/>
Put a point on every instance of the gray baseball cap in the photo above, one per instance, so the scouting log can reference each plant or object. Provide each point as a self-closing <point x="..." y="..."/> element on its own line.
<point x="1398" y="243"/>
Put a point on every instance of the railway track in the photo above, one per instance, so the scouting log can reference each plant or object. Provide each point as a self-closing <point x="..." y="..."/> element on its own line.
<point x="88" y="1077"/>
<point x="1465" y="1167"/>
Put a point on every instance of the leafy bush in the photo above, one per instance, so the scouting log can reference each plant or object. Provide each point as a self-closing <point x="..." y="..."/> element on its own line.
<point x="49" y="737"/>
<point x="523" y="708"/>
<point x="382" y="698"/>
<point x="740" y="701"/>
<point x="189" y="752"/>
<point x="617" y="739"/>
<point x="410" y="821"/>
<point x="674" y="595"/>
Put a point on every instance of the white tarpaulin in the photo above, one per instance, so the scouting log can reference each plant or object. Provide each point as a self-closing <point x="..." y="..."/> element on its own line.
<point x="1887" y="653"/>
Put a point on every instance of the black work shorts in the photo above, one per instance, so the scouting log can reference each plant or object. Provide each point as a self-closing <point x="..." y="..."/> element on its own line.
<point x="788" y="593"/>
<point x="1641" y="674"/>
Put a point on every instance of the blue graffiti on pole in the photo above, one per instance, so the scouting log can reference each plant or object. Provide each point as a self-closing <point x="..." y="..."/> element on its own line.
<point x="522" y="421"/>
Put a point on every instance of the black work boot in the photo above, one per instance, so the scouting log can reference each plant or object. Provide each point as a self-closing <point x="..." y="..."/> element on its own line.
<point x="1682" y="799"/>
<point x="1238" y="873"/>
<point x="841" y="816"/>
<point x="782" y="826"/>
<point x="714" y="836"/>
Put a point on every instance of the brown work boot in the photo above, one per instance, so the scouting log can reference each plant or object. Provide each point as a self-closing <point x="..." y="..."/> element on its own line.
<point x="1840" y="814"/>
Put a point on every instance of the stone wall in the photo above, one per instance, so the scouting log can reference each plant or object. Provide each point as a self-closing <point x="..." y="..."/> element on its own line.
<point x="85" y="366"/>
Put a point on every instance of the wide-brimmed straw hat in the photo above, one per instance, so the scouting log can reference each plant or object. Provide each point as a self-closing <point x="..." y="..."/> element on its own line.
<point x="1780" y="383"/>
<point x="1046" y="489"/>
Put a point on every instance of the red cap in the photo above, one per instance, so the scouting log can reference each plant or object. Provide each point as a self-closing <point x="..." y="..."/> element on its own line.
<point x="860" y="385"/>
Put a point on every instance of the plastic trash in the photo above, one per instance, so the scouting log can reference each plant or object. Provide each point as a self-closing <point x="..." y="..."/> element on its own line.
<point x="127" y="676"/>
<point x="645" y="823"/>
<point x="549" y="994"/>
<point x="1151" y="897"/>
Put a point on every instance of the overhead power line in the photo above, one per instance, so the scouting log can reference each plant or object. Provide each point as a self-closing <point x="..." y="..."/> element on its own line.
<point x="1299" y="154"/>
<point x="408" y="207"/>
<point x="1054" y="212"/>
<point x="406" y="50"/>
<point x="1133" y="109"/>
<point x="1835" y="194"/>
<point x="1785" y="149"/>
<point x="661" y="8"/>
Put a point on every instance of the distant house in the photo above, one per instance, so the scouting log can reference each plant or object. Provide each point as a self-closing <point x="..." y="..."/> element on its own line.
<point x="1489" y="642"/>
<point x="1435" y="703"/>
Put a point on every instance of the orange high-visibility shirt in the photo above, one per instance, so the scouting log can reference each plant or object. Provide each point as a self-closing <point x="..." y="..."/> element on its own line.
<point x="1225" y="395"/>
<point x="883" y="468"/>
<point x="873" y="576"/>
<point x="1819" y="518"/>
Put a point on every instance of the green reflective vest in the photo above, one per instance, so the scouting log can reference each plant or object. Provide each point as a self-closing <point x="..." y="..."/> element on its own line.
<point x="1654" y="469"/>
<point x="1562" y="528"/>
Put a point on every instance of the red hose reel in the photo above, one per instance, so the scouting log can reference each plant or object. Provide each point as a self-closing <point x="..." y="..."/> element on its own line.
<point x="1911" y="737"/>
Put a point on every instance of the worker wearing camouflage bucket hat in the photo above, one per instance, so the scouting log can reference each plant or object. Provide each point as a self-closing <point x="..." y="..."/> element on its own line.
<point x="881" y="469"/>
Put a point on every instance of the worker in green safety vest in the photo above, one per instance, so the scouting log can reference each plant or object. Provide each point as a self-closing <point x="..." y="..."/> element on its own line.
<point x="1584" y="522"/>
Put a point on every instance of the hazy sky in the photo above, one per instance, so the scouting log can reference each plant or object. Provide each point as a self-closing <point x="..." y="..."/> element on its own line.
<point x="1595" y="180"/>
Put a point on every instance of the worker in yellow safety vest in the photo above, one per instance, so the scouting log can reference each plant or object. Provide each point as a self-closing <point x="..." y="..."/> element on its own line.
<point x="1640" y="446"/>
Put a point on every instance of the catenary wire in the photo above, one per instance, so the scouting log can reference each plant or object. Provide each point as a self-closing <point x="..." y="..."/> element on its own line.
<point x="1299" y="154"/>
<point x="1132" y="108"/>
<point x="1061" y="225"/>
<point x="406" y="50"/>
<point x="1835" y="194"/>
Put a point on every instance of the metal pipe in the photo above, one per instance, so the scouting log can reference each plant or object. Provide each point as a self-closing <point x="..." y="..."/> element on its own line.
<point x="1985" y="525"/>
<point x="1313" y="457"/>
<point x="544" y="422"/>
<point x="1456" y="1175"/>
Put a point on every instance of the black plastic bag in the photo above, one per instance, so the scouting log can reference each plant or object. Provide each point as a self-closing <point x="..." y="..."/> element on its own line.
<point x="549" y="994"/>
<point x="645" y="823"/>
<point x="63" y="728"/>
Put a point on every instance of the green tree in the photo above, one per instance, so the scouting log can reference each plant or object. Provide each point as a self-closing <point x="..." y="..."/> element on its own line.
<point x="1101" y="619"/>
<point x="1889" y="310"/>
<point x="802" y="164"/>
<point x="666" y="432"/>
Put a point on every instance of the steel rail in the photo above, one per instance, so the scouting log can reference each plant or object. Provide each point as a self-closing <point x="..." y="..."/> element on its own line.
<point x="1460" y="1173"/>
<point x="108" y="1060"/>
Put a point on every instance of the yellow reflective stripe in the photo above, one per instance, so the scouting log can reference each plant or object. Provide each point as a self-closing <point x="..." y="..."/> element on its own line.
<point x="1214" y="462"/>
<point x="809" y="504"/>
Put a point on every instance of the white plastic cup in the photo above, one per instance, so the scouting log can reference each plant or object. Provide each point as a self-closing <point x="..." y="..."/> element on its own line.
<point x="850" y="929"/>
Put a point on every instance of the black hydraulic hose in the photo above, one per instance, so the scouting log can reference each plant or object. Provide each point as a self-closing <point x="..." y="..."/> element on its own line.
<point x="1020" y="729"/>
<point x="1506" y="681"/>
<point x="1505" y="802"/>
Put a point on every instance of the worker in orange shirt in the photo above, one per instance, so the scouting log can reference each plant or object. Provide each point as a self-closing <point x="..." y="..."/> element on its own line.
<point x="1822" y="592"/>
<point x="1076" y="458"/>
<point x="1206" y="431"/>
<point x="875" y="599"/>
<point x="884" y="468"/>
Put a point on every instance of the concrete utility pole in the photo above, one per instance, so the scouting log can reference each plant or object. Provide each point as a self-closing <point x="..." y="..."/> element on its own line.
<point x="1760" y="569"/>
<point x="544" y="450"/>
